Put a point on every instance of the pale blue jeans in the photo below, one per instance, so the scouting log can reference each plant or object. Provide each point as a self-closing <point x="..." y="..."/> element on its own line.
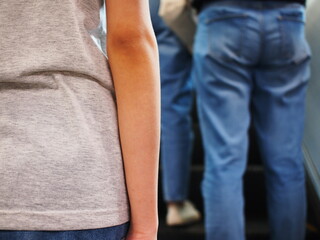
<point x="176" y="104"/>
<point x="251" y="52"/>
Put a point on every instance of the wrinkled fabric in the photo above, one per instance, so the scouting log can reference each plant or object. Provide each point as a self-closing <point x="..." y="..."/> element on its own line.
<point x="176" y="103"/>
<point x="252" y="54"/>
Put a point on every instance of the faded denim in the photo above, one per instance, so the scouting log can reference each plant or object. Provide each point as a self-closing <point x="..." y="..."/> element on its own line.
<point x="176" y="104"/>
<point x="252" y="53"/>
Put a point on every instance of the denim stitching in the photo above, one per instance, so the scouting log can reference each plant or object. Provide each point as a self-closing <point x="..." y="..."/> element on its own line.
<point x="242" y="36"/>
<point x="285" y="18"/>
<point x="210" y="20"/>
<point x="282" y="44"/>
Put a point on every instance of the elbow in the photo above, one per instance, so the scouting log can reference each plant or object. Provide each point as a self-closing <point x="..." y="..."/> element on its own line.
<point x="131" y="39"/>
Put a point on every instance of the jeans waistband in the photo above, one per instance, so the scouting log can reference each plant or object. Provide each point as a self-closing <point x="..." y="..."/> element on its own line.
<point x="253" y="4"/>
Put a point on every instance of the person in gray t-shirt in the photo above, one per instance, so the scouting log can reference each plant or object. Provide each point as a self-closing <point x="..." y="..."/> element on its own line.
<point x="79" y="133"/>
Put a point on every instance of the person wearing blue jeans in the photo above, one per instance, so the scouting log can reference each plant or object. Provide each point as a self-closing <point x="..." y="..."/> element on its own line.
<point x="176" y="122"/>
<point x="252" y="52"/>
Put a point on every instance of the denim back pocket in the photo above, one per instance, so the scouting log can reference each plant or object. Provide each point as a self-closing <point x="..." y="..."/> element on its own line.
<point x="226" y="28"/>
<point x="294" y="46"/>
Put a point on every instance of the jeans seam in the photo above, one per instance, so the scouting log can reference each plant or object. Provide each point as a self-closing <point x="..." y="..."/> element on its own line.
<point x="210" y="20"/>
<point x="282" y="44"/>
<point x="242" y="36"/>
<point x="292" y="19"/>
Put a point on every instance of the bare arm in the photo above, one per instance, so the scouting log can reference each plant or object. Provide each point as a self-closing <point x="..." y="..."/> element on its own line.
<point x="133" y="57"/>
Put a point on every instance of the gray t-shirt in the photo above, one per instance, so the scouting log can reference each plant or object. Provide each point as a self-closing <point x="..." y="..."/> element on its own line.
<point x="61" y="166"/>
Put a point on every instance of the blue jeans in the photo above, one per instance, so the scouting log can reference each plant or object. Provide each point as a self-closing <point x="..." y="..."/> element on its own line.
<point x="110" y="233"/>
<point x="252" y="53"/>
<point x="176" y="104"/>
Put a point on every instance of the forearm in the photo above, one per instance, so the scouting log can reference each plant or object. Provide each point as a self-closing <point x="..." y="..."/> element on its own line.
<point x="135" y="71"/>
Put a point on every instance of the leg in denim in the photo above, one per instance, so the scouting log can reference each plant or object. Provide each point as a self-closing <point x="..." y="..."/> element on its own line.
<point x="278" y="119"/>
<point x="224" y="85"/>
<point x="252" y="52"/>
<point x="280" y="89"/>
<point x="176" y="124"/>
